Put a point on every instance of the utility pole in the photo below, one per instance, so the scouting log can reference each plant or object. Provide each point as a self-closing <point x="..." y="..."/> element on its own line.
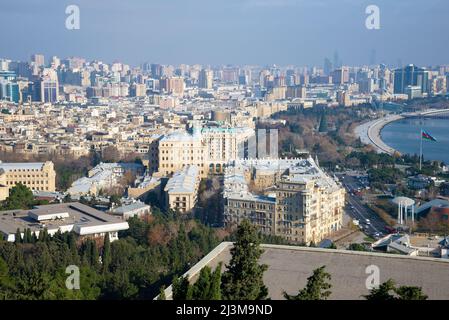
<point x="420" y="151"/>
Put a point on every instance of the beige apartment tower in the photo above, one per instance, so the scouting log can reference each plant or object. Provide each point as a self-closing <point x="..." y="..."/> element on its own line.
<point x="291" y="198"/>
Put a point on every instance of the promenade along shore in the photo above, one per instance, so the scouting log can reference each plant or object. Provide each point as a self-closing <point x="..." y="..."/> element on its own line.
<point x="369" y="133"/>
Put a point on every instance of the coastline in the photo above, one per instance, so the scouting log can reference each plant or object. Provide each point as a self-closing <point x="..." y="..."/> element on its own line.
<point x="369" y="133"/>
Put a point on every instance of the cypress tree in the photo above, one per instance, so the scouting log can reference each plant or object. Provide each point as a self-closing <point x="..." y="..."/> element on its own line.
<point x="161" y="295"/>
<point x="45" y="261"/>
<point x="18" y="236"/>
<point x="323" y="123"/>
<point x="43" y="235"/>
<point x="106" y="254"/>
<point x="93" y="254"/>
<point x="57" y="235"/>
<point x="189" y="293"/>
<point x="6" y="282"/>
<point x="215" y="290"/>
<point x="33" y="237"/>
<point x="201" y="288"/>
<point x="182" y="290"/>
<point x="29" y="237"/>
<point x="71" y="241"/>
<point x="243" y="279"/>
<point x="25" y="236"/>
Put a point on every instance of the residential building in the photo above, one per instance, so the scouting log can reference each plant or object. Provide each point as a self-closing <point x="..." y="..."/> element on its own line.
<point x="172" y="85"/>
<point x="35" y="175"/>
<point x="205" y="80"/>
<point x="291" y="198"/>
<point x="38" y="59"/>
<point x="182" y="189"/>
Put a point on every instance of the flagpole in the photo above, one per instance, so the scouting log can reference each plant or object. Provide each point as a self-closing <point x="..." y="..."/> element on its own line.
<point x="420" y="152"/>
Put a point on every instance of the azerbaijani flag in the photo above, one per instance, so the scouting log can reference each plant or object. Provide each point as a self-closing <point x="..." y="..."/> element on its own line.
<point x="425" y="135"/>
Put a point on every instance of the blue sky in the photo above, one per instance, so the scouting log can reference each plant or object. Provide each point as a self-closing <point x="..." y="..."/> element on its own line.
<point x="298" y="32"/>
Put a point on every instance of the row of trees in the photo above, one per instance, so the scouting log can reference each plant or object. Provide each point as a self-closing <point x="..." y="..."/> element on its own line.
<point x="145" y="257"/>
<point x="326" y="132"/>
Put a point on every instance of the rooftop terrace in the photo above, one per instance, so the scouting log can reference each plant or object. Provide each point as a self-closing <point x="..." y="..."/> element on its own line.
<point x="290" y="266"/>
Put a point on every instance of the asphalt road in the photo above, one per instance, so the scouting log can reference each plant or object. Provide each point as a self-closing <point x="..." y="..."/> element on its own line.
<point x="357" y="210"/>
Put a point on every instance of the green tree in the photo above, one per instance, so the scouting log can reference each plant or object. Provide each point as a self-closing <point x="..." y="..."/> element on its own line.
<point x="20" y="197"/>
<point x="18" y="236"/>
<point x="43" y="235"/>
<point x="94" y="256"/>
<point x="201" y="288"/>
<point x="243" y="279"/>
<point x="161" y="295"/>
<point x="383" y="292"/>
<point x="28" y="238"/>
<point x="323" y="123"/>
<point x="317" y="287"/>
<point x="207" y="287"/>
<point x="115" y="200"/>
<point x="410" y="293"/>
<point x="389" y="291"/>
<point x="106" y="253"/>
<point x="182" y="290"/>
<point x="36" y="270"/>
<point x="67" y="198"/>
<point x="356" y="247"/>
<point x="215" y="286"/>
<point x="25" y="236"/>
<point x="6" y="283"/>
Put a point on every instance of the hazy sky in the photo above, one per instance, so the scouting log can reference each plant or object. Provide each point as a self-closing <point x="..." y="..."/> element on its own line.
<point x="299" y="32"/>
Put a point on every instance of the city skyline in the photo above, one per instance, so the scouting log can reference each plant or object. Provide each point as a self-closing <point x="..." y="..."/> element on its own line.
<point x="336" y="62"/>
<point x="232" y="150"/>
<point x="244" y="32"/>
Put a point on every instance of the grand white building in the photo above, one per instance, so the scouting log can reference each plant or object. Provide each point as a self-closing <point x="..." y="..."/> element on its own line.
<point x="210" y="149"/>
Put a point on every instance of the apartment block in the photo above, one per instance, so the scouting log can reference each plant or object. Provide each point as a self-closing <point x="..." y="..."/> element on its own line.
<point x="303" y="204"/>
<point x="182" y="189"/>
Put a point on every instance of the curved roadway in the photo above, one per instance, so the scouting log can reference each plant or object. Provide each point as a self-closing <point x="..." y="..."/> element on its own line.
<point x="369" y="132"/>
